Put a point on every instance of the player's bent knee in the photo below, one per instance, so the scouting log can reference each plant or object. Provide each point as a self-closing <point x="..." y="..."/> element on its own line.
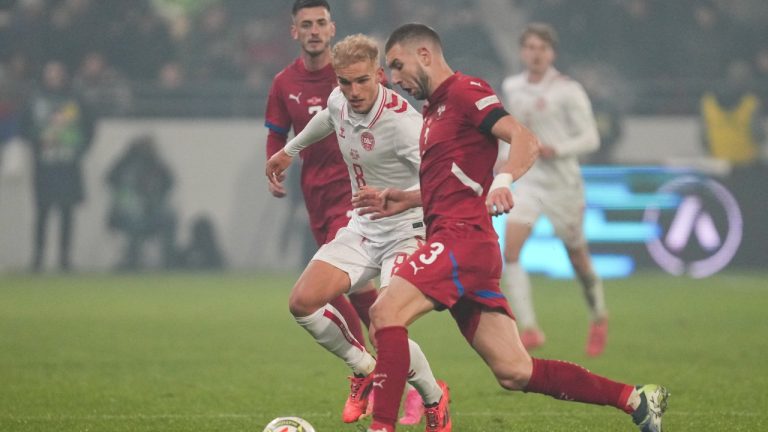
<point x="512" y="383"/>
<point x="381" y="315"/>
<point x="300" y="306"/>
<point x="513" y="377"/>
<point x="509" y="384"/>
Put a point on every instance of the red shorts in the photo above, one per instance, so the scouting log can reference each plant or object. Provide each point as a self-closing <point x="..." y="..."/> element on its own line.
<point x="460" y="268"/>
<point x="332" y="225"/>
<point x="328" y="205"/>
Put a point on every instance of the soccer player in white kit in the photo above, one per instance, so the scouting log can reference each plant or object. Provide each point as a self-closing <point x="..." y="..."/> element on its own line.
<point x="557" y="109"/>
<point x="378" y="134"/>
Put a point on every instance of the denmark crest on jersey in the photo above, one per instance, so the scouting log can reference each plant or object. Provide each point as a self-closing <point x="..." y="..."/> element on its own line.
<point x="367" y="140"/>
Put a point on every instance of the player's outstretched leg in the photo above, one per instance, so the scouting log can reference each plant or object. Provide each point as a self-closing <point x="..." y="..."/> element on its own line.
<point x="569" y="381"/>
<point x="496" y="340"/>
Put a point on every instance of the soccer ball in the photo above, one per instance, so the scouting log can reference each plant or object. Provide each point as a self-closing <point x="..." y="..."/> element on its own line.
<point x="289" y="424"/>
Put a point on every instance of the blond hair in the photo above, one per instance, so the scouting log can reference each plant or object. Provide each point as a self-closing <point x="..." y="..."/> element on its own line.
<point x="354" y="49"/>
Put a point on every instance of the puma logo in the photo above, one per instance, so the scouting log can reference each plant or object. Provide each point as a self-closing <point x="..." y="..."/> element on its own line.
<point x="295" y="97"/>
<point x="415" y="267"/>
<point x="381" y="378"/>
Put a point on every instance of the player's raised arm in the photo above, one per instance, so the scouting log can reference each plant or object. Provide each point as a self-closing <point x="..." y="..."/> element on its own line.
<point x="319" y="127"/>
<point x="523" y="151"/>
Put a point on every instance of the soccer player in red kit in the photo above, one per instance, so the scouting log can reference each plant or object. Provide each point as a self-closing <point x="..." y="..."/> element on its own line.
<point x="459" y="267"/>
<point x="297" y="93"/>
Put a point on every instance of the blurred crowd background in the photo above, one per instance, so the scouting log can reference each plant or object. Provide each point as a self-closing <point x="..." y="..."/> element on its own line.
<point x="217" y="57"/>
<point x="159" y="61"/>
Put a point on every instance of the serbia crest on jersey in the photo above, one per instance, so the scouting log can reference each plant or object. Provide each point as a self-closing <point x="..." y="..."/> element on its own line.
<point x="458" y="152"/>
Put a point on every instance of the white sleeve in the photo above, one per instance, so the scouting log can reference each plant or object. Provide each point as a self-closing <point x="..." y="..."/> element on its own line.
<point x="319" y="127"/>
<point x="579" y="110"/>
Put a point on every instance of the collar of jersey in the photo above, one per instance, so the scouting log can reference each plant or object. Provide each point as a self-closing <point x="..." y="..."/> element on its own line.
<point x="549" y="75"/>
<point x="442" y="89"/>
<point x="372" y="116"/>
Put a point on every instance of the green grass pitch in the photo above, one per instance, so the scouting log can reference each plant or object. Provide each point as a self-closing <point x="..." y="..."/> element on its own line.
<point x="221" y="353"/>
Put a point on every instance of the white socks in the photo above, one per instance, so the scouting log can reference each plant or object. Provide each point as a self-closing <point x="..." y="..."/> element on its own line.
<point x="420" y="375"/>
<point x="594" y="296"/>
<point x="330" y="330"/>
<point x="518" y="290"/>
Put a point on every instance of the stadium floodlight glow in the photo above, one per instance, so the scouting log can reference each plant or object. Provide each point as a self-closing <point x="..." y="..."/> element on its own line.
<point x="694" y="225"/>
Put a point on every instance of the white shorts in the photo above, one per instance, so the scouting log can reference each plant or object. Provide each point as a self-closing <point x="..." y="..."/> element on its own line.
<point x="564" y="207"/>
<point x="363" y="260"/>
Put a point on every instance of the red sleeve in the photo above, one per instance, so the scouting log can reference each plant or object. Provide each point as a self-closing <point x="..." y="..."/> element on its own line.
<point x="278" y="120"/>
<point x="479" y="101"/>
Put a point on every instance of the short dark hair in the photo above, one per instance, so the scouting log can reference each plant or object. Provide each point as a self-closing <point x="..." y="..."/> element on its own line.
<point x="302" y="4"/>
<point x="407" y="32"/>
<point x="541" y="30"/>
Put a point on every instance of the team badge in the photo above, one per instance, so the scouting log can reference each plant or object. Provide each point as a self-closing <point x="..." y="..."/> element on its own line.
<point x="440" y="110"/>
<point x="314" y="100"/>
<point x="367" y="140"/>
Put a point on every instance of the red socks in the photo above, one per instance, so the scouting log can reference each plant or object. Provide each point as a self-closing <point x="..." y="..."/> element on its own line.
<point x="362" y="302"/>
<point x="350" y="316"/>
<point x="390" y="374"/>
<point x="569" y="381"/>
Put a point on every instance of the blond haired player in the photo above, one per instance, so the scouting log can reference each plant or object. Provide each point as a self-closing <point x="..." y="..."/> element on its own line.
<point x="378" y="134"/>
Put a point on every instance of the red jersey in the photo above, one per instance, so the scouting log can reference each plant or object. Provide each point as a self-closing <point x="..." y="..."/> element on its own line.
<point x="458" y="153"/>
<point x="295" y="96"/>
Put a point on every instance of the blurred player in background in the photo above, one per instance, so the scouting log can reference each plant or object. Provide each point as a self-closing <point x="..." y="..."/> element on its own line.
<point x="557" y="109"/>
<point x="459" y="268"/>
<point x="298" y="92"/>
<point x="378" y="134"/>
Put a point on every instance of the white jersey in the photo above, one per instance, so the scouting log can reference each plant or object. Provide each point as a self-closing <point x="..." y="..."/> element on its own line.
<point x="558" y="111"/>
<point x="381" y="149"/>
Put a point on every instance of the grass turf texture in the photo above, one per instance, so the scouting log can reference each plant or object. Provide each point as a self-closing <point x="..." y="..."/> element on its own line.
<point x="221" y="353"/>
